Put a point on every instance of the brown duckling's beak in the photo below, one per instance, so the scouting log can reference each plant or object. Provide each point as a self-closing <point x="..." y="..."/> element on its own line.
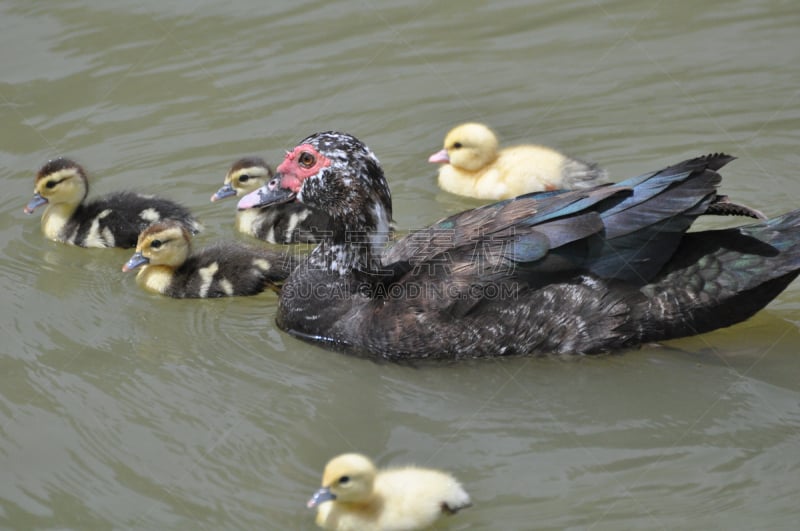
<point x="321" y="496"/>
<point x="270" y="194"/>
<point x="226" y="191"/>
<point x="34" y="203"/>
<point x="135" y="261"/>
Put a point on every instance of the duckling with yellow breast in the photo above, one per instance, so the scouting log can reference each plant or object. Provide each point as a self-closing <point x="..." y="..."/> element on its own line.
<point x="286" y="223"/>
<point x="474" y="166"/>
<point x="355" y="495"/>
<point x="113" y="220"/>
<point x="168" y="266"/>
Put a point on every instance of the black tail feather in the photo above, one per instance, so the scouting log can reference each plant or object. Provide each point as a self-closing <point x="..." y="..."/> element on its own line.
<point x="719" y="278"/>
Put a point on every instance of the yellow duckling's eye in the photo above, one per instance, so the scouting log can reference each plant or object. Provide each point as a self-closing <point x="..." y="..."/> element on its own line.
<point x="458" y="145"/>
<point x="155" y="244"/>
<point x="344" y="480"/>
<point x="306" y="159"/>
<point x="244" y="178"/>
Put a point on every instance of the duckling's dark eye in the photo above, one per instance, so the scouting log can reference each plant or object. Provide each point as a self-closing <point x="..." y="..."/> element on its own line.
<point x="155" y="244"/>
<point x="344" y="480"/>
<point x="458" y="145"/>
<point x="244" y="178"/>
<point x="306" y="159"/>
<point x="51" y="184"/>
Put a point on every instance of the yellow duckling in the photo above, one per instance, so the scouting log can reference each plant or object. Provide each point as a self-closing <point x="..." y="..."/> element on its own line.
<point x="356" y="496"/>
<point x="474" y="167"/>
<point x="287" y="223"/>
<point x="113" y="220"/>
<point x="223" y="270"/>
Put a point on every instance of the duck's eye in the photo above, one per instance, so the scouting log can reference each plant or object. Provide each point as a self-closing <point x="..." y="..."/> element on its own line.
<point x="306" y="159"/>
<point x="458" y="145"/>
<point x="155" y="244"/>
<point x="244" y="178"/>
<point x="344" y="480"/>
<point x="51" y="184"/>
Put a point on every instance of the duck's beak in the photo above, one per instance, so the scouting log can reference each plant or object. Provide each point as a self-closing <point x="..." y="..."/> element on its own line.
<point x="34" y="203"/>
<point x="270" y="194"/>
<point x="440" y="157"/>
<point x="321" y="496"/>
<point x="135" y="261"/>
<point x="226" y="191"/>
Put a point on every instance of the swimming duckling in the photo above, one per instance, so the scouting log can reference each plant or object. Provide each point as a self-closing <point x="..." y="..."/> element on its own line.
<point x="287" y="223"/>
<point x="222" y="270"/>
<point x="474" y="167"/>
<point x="114" y="220"/>
<point x="356" y="496"/>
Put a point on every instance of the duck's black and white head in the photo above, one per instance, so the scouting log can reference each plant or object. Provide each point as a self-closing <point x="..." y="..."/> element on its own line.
<point x="60" y="181"/>
<point x="337" y="174"/>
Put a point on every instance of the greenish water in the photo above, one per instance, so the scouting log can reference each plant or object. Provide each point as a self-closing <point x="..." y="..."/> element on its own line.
<point x="120" y="409"/>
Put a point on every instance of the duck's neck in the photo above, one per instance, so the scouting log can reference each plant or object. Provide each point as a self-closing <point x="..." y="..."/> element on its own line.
<point x="369" y="507"/>
<point x="155" y="278"/>
<point x="246" y="221"/>
<point x="356" y="242"/>
<point x="55" y="218"/>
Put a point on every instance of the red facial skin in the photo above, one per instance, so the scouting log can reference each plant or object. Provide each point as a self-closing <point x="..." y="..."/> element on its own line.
<point x="293" y="171"/>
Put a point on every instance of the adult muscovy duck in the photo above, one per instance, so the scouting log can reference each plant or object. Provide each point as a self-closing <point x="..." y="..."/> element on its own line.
<point x="582" y="271"/>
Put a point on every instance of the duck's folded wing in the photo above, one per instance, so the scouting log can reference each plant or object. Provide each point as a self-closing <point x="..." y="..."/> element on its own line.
<point x="643" y="231"/>
<point x="624" y="232"/>
<point x="459" y="277"/>
<point x="497" y="222"/>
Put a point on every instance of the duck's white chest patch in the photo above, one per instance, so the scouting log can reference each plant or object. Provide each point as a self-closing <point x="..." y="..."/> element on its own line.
<point x="207" y="277"/>
<point x="54" y="220"/>
<point x="96" y="237"/>
<point x="155" y="278"/>
<point x="340" y="261"/>
<point x="246" y="221"/>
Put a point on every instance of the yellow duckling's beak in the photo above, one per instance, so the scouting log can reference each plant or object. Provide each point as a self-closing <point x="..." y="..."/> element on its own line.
<point x="135" y="261"/>
<point x="321" y="496"/>
<point x="440" y="157"/>
<point x="34" y="203"/>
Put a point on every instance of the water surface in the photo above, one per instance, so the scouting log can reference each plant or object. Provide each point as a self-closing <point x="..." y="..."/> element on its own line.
<point x="120" y="409"/>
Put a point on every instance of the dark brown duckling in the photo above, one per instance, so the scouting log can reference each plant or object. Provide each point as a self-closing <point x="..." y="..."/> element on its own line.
<point x="168" y="266"/>
<point x="286" y="223"/>
<point x="113" y="220"/>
